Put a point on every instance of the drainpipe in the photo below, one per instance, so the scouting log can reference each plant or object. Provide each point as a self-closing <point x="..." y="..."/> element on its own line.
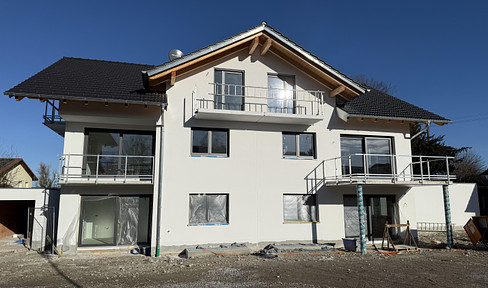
<point x="362" y="221"/>
<point x="160" y="185"/>
<point x="421" y="131"/>
<point x="447" y="211"/>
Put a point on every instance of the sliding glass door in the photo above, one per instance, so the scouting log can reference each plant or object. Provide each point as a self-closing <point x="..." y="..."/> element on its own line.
<point x="378" y="156"/>
<point x="281" y="94"/>
<point x="114" y="220"/>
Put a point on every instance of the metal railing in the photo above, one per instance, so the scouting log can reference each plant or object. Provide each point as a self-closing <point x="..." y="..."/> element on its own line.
<point x="356" y="168"/>
<point x="262" y="99"/>
<point x="51" y="113"/>
<point x="105" y="168"/>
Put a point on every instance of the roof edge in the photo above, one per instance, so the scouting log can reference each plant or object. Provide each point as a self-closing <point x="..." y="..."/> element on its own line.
<point x="76" y="98"/>
<point x="343" y="114"/>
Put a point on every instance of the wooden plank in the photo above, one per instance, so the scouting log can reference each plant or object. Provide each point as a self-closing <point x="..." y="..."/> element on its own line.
<point x="173" y="78"/>
<point x="194" y="61"/>
<point x="336" y="91"/>
<point x="266" y="46"/>
<point x="254" y="45"/>
<point x="18" y="98"/>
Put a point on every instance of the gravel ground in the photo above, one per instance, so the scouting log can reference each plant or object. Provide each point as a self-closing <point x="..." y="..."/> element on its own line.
<point x="463" y="266"/>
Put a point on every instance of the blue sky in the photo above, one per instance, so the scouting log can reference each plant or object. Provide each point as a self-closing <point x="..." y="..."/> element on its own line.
<point x="434" y="52"/>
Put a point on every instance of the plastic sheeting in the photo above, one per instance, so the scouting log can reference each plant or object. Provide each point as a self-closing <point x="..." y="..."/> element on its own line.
<point x="128" y="220"/>
<point x="208" y="209"/>
<point x="300" y="208"/>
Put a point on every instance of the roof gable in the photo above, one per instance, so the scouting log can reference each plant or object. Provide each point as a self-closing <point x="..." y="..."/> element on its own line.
<point x="7" y="164"/>
<point x="269" y="40"/>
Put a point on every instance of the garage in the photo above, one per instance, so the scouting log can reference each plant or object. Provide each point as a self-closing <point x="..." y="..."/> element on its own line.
<point x="13" y="216"/>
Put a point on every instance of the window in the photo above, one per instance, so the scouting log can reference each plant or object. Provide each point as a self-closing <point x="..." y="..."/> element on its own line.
<point x="300" y="208"/>
<point x="110" y="148"/>
<point x="281" y="94"/>
<point x="229" y="90"/>
<point x="210" y="142"/>
<point x="299" y="145"/>
<point x="377" y="152"/>
<point x="209" y="209"/>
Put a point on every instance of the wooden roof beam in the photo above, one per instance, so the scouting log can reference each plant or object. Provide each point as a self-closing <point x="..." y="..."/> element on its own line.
<point x="266" y="46"/>
<point x="173" y="78"/>
<point x="18" y="98"/>
<point x="337" y="91"/>
<point x="254" y="45"/>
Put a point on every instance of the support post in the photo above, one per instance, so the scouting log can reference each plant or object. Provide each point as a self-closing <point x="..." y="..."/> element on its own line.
<point x="362" y="222"/>
<point x="447" y="211"/>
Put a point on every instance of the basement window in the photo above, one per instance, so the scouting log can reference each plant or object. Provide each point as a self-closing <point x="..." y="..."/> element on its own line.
<point x="299" y="208"/>
<point x="209" y="209"/>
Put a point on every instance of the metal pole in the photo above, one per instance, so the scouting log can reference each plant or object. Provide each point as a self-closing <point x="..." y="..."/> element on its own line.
<point x="447" y="211"/>
<point x="362" y="222"/>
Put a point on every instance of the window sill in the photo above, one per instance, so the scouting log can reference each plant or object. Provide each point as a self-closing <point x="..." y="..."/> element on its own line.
<point x="299" y="158"/>
<point x="301" y="222"/>
<point x="210" y="156"/>
<point x="223" y="224"/>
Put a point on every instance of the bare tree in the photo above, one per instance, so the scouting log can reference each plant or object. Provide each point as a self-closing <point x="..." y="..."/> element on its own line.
<point x="384" y="87"/>
<point x="46" y="176"/>
<point x="468" y="166"/>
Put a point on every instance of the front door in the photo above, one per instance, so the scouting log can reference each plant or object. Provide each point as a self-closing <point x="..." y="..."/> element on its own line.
<point x="379" y="209"/>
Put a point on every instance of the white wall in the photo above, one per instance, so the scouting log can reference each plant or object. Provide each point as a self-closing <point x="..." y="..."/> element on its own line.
<point x="255" y="175"/>
<point x="430" y="203"/>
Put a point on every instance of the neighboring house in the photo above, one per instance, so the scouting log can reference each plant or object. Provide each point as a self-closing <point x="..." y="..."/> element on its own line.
<point x="15" y="173"/>
<point x="251" y="139"/>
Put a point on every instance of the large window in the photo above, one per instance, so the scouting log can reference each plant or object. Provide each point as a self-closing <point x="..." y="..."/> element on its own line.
<point x="281" y="94"/>
<point x="299" y="208"/>
<point x="119" y="152"/>
<point x="376" y="151"/>
<point x="209" y="209"/>
<point x="229" y="90"/>
<point x="300" y="145"/>
<point x="114" y="220"/>
<point x="210" y="142"/>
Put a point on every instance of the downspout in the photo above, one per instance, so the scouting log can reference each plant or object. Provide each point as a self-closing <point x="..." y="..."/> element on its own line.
<point x="421" y="131"/>
<point x="160" y="185"/>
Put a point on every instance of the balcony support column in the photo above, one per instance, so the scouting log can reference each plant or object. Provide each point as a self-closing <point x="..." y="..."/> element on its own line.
<point x="447" y="212"/>
<point x="362" y="220"/>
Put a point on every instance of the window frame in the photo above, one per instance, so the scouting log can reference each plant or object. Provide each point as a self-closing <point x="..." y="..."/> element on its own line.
<point x="243" y="96"/>
<point x="297" y="146"/>
<point x="364" y="149"/>
<point x="298" y="221"/>
<point x="209" y="152"/>
<point x="206" y="201"/>
<point x="284" y="106"/>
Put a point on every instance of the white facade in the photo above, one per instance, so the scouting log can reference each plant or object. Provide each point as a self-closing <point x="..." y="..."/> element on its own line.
<point x="254" y="175"/>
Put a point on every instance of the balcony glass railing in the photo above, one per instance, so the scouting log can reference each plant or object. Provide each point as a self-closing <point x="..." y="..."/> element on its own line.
<point x="105" y="168"/>
<point x="262" y="99"/>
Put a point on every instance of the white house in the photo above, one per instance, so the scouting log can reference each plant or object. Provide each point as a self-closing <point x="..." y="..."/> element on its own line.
<point x="251" y="139"/>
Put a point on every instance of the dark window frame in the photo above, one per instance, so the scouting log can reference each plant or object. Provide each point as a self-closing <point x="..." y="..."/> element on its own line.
<point x="297" y="145"/>
<point x="364" y="147"/>
<point x="227" y="221"/>
<point x="209" y="152"/>
<point x="243" y="96"/>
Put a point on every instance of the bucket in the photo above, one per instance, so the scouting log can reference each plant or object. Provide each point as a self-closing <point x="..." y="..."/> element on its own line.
<point x="350" y="244"/>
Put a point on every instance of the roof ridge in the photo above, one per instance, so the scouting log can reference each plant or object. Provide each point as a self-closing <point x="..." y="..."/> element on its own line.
<point x="106" y="61"/>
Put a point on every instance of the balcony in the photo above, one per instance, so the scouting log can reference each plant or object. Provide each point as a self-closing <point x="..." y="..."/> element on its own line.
<point x="105" y="169"/>
<point x="229" y="102"/>
<point x="406" y="170"/>
<point x="52" y="119"/>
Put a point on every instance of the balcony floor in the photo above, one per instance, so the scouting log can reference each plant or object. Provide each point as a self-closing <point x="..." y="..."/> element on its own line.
<point x="256" y="117"/>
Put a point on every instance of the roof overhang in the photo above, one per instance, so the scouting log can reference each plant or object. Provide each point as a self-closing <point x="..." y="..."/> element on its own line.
<point x="270" y="40"/>
<point x="44" y="97"/>
<point x="345" y="116"/>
